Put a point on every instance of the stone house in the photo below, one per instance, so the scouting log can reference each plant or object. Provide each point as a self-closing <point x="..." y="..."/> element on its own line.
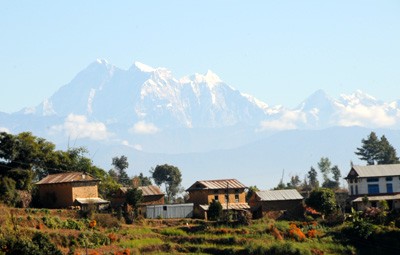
<point x="288" y="203"/>
<point x="367" y="185"/>
<point x="229" y="192"/>
<point x="69" y="189"/>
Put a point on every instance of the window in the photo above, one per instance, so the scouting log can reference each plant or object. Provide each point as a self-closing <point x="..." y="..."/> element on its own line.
<point x="216" y="198"/>
<point x="373" y="189"/>
<point x="372" y="179"/>
<point x="351" y="190"/>
<point x="227" y="198"/>
<point x="164" y="207"/>
<point x="389" y="188"/>
<point x="356" y="190"/>
<point x="236" y="198"/>
<point x="389" y="179"/>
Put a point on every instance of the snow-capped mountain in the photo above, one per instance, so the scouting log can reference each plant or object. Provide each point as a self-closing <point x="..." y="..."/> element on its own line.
<point x="142" y="93"/>
<point x="200" y="123"/>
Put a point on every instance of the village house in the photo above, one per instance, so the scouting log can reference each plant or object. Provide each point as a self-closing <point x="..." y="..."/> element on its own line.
<point x="69" y="189"/>
<point x="367" y="185"/>
<point x="151" y="195"/>
<point x="229" y="192"/>
<point x="288" y="202"/>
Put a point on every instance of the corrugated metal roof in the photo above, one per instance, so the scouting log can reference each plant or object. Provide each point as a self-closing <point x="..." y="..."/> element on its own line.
<point x="231" y="206"/>
<point x="378" y="198"/>
<point x="93" y="200"/>
<point x="217" y="184"/>
<point x="150" y="190"/>
<point x="275" y="195"/>
<point x="66" y="177"/>
<point x="377" y="170"/>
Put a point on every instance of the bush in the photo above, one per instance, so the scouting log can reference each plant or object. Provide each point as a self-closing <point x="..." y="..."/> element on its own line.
<point x="8" y="192"/>
<point x="215" y="210"/>
<point x="107" y="221"/>
<point x="277" y="248"/>
<point x="39" y="245"/>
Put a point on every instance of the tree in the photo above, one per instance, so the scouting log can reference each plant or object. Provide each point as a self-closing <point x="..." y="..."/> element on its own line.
<point x="8" y="193"/>
<point x="336" y="175"/>
<point x="251" y="190"/>
<point x="324" y="166"/>
<point x="171" y="177"/>
<point x="294" y="182"/>
<point x="322" y="200"/>
<point x="215" y="210"/>
<point x="369" y="149"/>
<point x="312" y="178"/>
<point x="387" y="154"/>
<point x="133" y="197"/>
<point x="120" y="164"/>
<point x="142" y="180"/>
<point x="377" y="151"/>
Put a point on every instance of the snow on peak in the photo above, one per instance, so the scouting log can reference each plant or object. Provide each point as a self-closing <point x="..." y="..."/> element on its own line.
<point x="358" y="97"/>
<point x="212" y="78"/>
<point x="102" y="61"/>
<point x="144" y="68"/>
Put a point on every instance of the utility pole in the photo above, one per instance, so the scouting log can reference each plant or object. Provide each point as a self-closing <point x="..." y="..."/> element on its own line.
<point x="227" y="196"/>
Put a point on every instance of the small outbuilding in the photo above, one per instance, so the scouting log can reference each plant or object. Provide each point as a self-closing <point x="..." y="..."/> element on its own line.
<point x="288" y="201"/>
<point x="169" y="211"/>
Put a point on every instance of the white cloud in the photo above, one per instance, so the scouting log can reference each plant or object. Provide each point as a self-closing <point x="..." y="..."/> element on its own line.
<point x="287" y="121"/>
<point x="78" y="126"/>
<point x="4" y="129"/>
<point x="361" y="115"/>
<point x="135" y="146"/>
<point x="142" y="127"/>
<point x="138" y="147"/>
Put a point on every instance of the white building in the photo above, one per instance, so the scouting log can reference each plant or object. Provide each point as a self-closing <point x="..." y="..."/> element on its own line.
<point x="377" y="182"/>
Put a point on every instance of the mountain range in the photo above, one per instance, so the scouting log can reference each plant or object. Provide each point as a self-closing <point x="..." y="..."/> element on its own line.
<point x="201" y="124"/>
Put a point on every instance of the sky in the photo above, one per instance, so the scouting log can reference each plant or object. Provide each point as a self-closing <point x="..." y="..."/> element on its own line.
<point x="279" y="51"/>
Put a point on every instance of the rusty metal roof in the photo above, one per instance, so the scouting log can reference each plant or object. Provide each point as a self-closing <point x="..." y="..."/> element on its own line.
<point x="377" y="170"/>
<point x="217" y="184"/>
<point x="277" y="195"/>
<point x="230" y="206"/>
<point x="66" y="177"/>
<point x="150" y="190"/>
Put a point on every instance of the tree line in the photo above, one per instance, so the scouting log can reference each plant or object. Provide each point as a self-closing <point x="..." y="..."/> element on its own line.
<point x="25" y="159"/>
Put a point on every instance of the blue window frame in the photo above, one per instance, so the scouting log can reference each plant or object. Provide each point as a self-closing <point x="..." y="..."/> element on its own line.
<point x="356" y="190"/>
<point x="372" y="179"/>
<point x="388" y="179"/>
<point x="389" y="188"/>
<point x="373" y="189"/>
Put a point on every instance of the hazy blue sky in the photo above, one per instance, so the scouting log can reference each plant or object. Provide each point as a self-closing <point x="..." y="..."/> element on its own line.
<point x="279" y="51"/>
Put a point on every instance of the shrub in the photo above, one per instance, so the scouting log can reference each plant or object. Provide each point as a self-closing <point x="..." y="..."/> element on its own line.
<point x="107" y="221"/>
<point x="39" y="245"/>
<point x="215" y="210"/>
<point x="8" y="192"/>
<point x="296" y="233"/>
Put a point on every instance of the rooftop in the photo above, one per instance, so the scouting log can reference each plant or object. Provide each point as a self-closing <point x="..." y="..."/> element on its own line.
<point x="217" y="184"/>
<point x="376" y="170"/>
<point x="278" y="195"/>
<point x="66" y="178"/>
